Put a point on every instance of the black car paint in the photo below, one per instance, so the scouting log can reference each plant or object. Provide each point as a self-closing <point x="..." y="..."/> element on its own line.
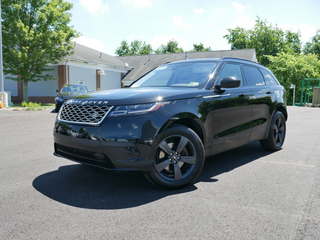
<point x="223" y="119"/>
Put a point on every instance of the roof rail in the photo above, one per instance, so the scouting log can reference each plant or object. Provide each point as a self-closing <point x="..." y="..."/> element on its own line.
<point x="242" y="59"/>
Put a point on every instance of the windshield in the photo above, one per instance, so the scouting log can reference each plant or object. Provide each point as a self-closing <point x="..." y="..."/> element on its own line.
<point x="74" y="88"/>
<point x="186" y="74"/>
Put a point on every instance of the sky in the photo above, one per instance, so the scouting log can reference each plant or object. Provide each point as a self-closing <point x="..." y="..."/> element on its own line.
<point x="105" y="23"/>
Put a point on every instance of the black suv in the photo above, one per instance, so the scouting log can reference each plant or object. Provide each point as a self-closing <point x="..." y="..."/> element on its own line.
<point x="169" y="120"/>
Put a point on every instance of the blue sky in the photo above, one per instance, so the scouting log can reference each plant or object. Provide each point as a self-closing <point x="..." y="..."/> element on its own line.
<point x="105" y="23"/>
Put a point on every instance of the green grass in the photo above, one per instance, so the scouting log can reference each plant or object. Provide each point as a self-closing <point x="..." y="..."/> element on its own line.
<point x="32" y="106"/>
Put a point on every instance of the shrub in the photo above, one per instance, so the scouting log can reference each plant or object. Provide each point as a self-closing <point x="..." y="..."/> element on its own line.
<point x="37" y="104"/>
<point x="31" y="105"/>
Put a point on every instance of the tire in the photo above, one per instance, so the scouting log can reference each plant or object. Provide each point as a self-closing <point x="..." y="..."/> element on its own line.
<point x="277" y="133"/>
<point x="179" y="158"/>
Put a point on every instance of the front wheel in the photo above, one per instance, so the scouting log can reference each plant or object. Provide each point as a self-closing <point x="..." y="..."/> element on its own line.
<point x="179" y="158"/>
<point x="277" y="133"/>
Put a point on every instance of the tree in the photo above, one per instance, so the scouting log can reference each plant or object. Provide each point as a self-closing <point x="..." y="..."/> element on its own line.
<point x="291" y="68"/>
<point x="124" y="49"/>
<point x="293" y="42"/>
<point x="313" y="47"/>
<point x="266" y="39"/>
<point x="35" y="33"/>
<point x="200" y="48"/>
<point x="170" y="47"/>
<point x="136" y="47"/>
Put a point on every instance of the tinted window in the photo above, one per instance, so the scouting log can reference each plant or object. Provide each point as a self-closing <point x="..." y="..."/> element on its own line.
<point x="268" y="78"/>
<point x="253" y="76"/>
<point x="74" y="88"/>
<point x="230" y="70"/>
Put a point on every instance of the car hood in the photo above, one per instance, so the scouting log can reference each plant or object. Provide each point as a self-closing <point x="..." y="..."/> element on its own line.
<point x="128" y="96"/>
<point x="69" y="94"/>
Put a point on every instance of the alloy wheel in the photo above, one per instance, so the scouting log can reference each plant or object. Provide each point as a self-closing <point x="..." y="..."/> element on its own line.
<point x="175" y="158"/>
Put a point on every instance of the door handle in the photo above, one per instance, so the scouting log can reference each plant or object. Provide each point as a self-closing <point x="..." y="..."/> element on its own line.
<point x="268" y="92"/>
<point x="241" y="95"/>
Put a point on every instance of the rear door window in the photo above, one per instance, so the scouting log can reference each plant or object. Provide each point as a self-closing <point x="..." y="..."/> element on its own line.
<point x="268" y="78"/>
<point x="253" y="76"/>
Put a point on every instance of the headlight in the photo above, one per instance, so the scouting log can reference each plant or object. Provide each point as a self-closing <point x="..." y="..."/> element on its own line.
<point x="136" y="109"/>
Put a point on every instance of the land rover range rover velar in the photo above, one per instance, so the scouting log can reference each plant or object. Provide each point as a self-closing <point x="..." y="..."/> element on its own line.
<point x="168" y="121"/>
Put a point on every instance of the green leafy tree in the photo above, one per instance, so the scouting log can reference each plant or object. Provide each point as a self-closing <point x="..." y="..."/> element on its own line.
<point x="35" y="33"/>
<point x="136" y="47"/>
<point x="291" y="68"/>
<point x="293" y="42"/>
<point x="124" y="49"/>
<point x="145" y="49"/>
<point x="200" y="48"/>
<point x="313" y="46"/>
<point x="170" y="47"/>
<point x="266" y="39"/>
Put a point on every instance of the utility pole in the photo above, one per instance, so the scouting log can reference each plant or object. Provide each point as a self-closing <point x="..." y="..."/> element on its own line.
<point x="1" y="65"/>
<point x="294" y="90"/>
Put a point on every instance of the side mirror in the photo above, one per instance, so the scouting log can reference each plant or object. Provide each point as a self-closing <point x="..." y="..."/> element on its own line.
<point x="229" y="82"/>
<point x="57" y="90"/>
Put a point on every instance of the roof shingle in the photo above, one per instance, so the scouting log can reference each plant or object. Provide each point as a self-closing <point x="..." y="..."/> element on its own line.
<point x="90" y="55"/>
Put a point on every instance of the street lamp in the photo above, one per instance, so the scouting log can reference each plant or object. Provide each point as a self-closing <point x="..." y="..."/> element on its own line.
<point x="294" y="90"/>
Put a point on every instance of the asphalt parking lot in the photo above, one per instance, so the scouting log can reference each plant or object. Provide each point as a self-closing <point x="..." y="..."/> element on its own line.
<point x="246" y="193"/>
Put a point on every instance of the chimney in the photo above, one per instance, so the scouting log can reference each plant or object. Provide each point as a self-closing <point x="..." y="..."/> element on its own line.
<point x="186" y="58"/>
<point x="74" y="43"/>
<point x="100" y="54"/>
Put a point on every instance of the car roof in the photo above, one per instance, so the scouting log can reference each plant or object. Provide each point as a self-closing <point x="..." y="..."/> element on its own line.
<point x="68" y="85"/>
<point x="240" y="60"/>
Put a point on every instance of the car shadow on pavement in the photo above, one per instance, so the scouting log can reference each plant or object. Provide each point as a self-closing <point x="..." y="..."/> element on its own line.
<point x="94" y="188"/>
<point x="227" y="161"/>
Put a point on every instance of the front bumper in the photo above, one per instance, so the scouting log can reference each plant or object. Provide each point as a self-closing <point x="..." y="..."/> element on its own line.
<point x="118" y="144"/>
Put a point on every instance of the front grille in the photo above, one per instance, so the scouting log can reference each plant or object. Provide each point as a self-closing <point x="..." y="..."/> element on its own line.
<point x="78" y="113"/>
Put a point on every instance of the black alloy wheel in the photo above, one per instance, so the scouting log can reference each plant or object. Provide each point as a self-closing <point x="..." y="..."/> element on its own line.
<point x="277" y="133"/>
<point x="179" y="158"/>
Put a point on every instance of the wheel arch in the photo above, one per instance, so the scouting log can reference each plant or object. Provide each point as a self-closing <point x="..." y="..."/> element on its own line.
<point x="189" y="120"/>
<point x="194" y="125"/>
<point x="284" y="111"/>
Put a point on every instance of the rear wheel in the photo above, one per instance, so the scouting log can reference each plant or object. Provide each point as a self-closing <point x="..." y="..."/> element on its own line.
<point x="179" y="158"/>
<point x="277" y="133"/>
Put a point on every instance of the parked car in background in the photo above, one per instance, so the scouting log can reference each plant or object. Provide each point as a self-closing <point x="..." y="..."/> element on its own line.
<point x="169" y="120"/>
<point x="67" y="91"/>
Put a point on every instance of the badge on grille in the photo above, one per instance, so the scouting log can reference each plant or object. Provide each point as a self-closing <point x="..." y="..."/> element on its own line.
<point x="95" y="115"/>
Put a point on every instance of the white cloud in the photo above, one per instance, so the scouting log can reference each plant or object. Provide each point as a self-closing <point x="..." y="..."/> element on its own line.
<point x="91" y="43"/>
<point x="197" y="11"/>
<point x="217" y="10"/>
<point x="140" y="3"/>
<point x="94" y="6"/>
<point x="243" y="22"/>
<point x="240" y="8"/>
<point x="307" y="31"/>
<point x="179" y="22"/>
<point x="158" y="40"/>
<point x="132" y="37"/>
